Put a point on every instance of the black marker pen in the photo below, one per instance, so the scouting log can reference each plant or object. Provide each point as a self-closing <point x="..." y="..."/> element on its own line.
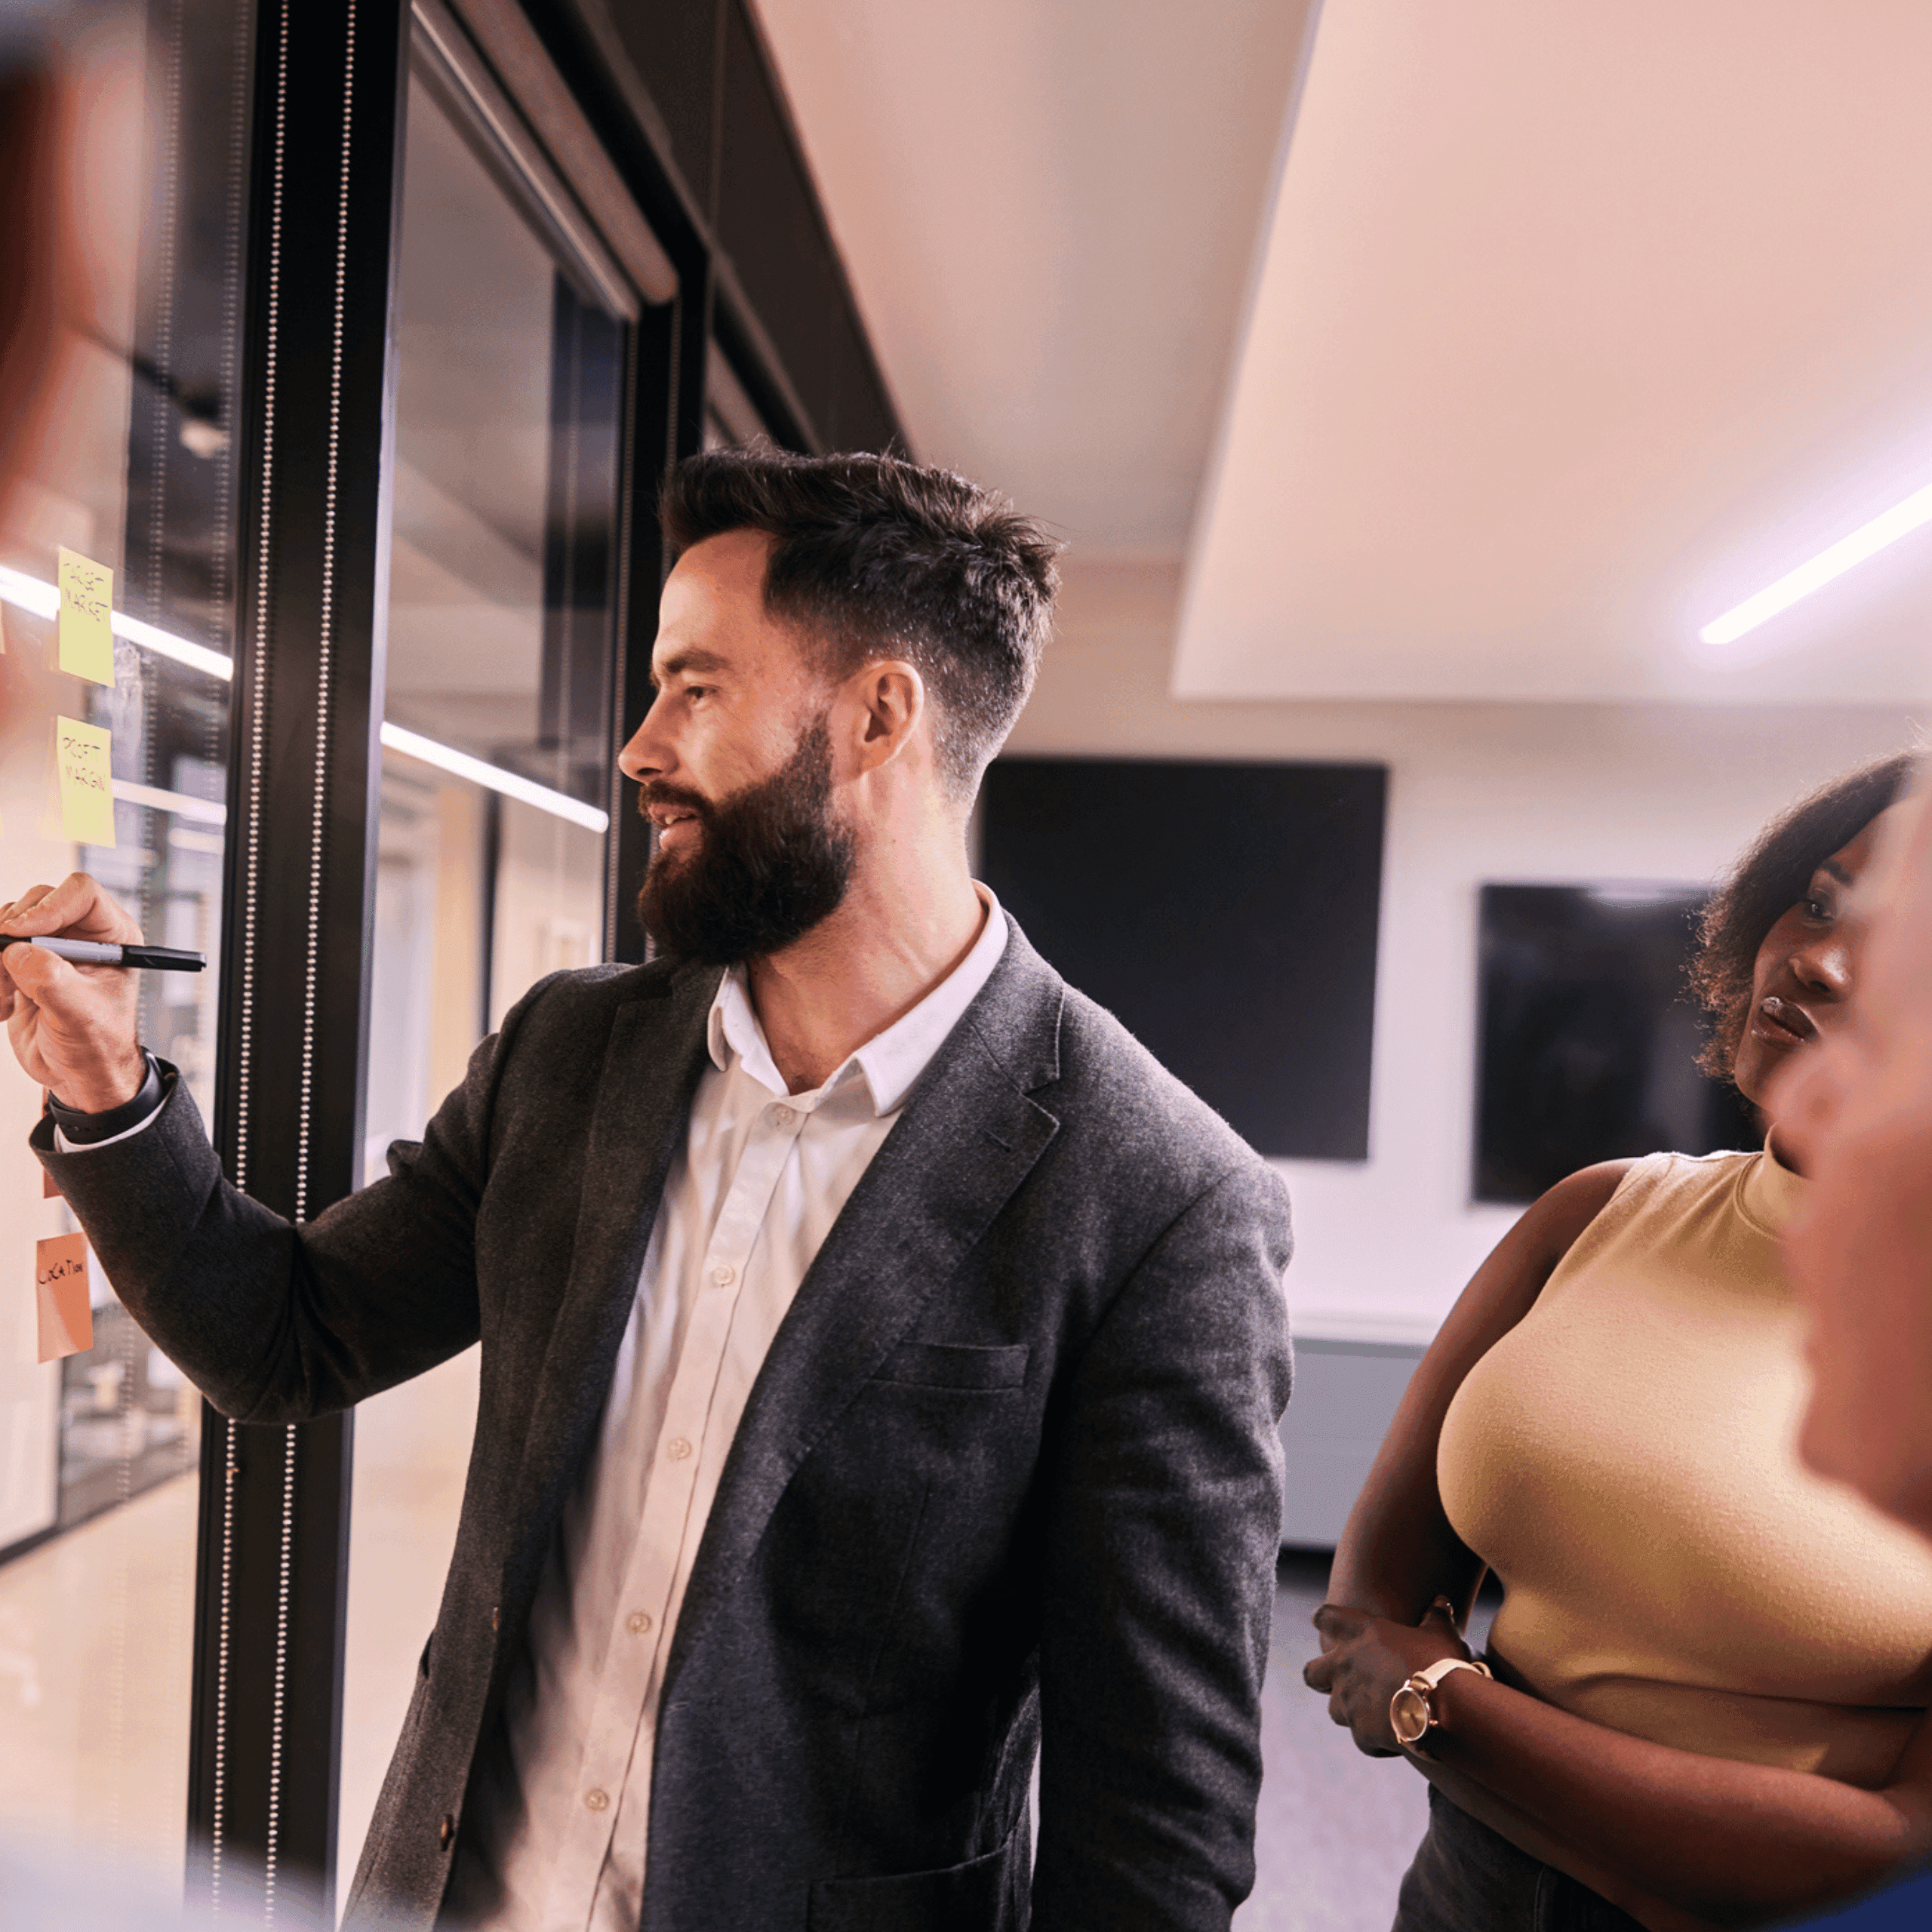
<point x="96" y="952"/>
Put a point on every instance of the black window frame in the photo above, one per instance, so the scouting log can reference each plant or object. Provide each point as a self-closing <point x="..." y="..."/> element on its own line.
<point x="327" y="124"/>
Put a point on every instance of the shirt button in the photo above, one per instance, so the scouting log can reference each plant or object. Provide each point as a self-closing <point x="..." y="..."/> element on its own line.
<point x="677" y="1448"/>
<point x="723" y="1277"/>
<point x="446" y="1830"/>
<point x="598" y="1800"/>
<point x="639" y="1621"/>
<point x="783" y="1116"/>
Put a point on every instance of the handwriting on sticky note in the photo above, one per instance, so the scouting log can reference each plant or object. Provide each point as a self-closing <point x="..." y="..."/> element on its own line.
<point x="83" y="763"/>
<point x="86" y="625"/>
<point x="63" y="1309"/>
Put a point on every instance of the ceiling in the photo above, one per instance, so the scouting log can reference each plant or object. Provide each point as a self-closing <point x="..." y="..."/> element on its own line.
<point x="1568" y="328"/>
<point x="1048" y="210"/>
<point x="1577" y="326"/>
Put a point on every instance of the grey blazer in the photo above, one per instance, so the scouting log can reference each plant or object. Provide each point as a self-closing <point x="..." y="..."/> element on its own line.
<point x="1011" y="1469"/>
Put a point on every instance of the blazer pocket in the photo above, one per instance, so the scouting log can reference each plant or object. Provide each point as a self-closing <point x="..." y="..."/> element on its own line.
<point x="982" y="1895"/>
<point x="955" y="1365"/>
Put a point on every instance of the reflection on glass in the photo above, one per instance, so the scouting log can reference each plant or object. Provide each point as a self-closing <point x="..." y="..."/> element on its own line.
<point x="499" y="625"/>
<point x="135" y="469"/>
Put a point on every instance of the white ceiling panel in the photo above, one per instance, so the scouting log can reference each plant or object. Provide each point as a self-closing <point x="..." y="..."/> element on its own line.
<point x="1575" y="326"/>
<point x="1049" y="210"/>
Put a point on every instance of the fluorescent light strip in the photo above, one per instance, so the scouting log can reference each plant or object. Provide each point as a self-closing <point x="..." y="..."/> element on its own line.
<point x="560" y="805"/>
<point x="199" y="657"/>
<point x="205" y="811"/>
<point x="43" y="599"/>
<point x="28" y="592"/>
<point x="1901" y="520"/>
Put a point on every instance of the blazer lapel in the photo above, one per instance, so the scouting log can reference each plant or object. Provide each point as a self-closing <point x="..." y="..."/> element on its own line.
<point x="652" y="1063"/>
<point x="970" y="1134"/>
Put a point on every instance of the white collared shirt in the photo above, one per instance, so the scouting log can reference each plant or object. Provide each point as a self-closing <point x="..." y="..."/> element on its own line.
<point x="554" y="1840"/>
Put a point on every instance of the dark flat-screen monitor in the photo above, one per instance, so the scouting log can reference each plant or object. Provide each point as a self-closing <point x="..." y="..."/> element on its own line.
<point x="1588" y="1044"/>
<point x="1226" y="912"/>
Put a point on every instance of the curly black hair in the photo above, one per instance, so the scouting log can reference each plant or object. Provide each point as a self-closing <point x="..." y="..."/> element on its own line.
<point x="1767" y="882"/>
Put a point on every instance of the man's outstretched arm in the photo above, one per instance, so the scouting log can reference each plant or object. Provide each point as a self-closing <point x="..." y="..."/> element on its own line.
<point x="271" y="1323"/>
<point x="1163" y="1530"/>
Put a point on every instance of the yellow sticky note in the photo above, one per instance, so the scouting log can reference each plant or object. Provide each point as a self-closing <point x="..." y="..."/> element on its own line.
<point x="63" y="1308"/>
<point x="82" y="764"/>
<point x="86" y="629"/>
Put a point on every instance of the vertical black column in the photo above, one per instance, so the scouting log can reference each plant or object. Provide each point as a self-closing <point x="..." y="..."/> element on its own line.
<point x="667" y="421"/>
<point x="587" y="358"/>
<point x="319" y="384"/>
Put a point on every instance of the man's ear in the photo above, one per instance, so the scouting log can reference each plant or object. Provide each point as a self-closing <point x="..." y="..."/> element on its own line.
<point x="892" y="700"/>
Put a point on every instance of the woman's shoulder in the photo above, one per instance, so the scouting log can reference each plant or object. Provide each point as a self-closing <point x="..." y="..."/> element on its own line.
<point x="1598" y="1209"/>
<point x="1567" y="1209"/>
<point x="1675" y="1175"/>
<point x="1601" y="1199"/>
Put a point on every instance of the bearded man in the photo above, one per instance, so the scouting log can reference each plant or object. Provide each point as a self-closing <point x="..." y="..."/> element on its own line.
<point x="882" y="1356"/>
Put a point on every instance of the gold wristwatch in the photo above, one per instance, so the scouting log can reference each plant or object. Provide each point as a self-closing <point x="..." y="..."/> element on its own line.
<point x="1412" y="1714"/>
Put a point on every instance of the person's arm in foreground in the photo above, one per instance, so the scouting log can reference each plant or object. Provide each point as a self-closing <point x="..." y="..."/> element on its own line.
<point x="1161" y="1531"/>
<point x="272" y="1323"/>
<point x="1676" y="1839"/>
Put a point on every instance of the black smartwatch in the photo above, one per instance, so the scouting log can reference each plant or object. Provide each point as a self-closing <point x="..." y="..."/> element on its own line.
<point x="84" y="1130"/>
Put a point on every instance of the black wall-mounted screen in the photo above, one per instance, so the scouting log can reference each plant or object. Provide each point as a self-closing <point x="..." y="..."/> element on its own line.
<point x="1226" y="913"/>
<point x="1589" y="1045"/>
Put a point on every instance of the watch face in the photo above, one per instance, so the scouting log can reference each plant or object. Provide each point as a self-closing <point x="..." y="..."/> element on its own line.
<point x="1408" y="1715"/>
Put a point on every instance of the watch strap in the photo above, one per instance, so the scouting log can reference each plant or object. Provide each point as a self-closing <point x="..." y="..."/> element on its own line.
<point x="1420" y="1689"/>
<point x="82" y="1129"/>
<point x="1429" y="1679"/>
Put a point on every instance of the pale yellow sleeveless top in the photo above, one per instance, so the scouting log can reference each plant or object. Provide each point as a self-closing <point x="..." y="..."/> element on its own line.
<point x="1624" y="1459"/>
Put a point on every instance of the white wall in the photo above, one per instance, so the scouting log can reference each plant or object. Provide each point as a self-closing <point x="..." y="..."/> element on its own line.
<point x="1481" y="792"/>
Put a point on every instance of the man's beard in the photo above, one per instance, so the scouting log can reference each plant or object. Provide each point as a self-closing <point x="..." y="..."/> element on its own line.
<point x="768" y="864"/>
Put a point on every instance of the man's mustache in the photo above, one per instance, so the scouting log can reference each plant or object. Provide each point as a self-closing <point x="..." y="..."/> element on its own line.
<point x="652" y="793"/>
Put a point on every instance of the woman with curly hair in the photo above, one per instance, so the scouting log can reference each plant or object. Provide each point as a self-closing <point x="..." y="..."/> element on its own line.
<point x="1704" y="1702"/>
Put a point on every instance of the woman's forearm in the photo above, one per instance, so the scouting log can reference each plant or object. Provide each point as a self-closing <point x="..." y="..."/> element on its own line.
<point x="1730" y="1843"/>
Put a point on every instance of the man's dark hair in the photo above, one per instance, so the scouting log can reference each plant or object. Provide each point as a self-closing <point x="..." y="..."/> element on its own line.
<point x="1771" y="879"/>
<point x="876" y="557"/>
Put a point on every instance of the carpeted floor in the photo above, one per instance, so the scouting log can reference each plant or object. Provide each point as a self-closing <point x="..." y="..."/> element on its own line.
<point x="1335" y="1829"/>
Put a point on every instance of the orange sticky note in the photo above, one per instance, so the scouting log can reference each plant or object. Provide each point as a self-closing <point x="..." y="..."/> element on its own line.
<point x="83" y="764"/>
<point x="86" y="627"/>
<point x="64" y="1310"/>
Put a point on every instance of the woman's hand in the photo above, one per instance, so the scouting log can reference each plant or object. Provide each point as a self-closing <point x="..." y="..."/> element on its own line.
<point x="1366" y="1659"/>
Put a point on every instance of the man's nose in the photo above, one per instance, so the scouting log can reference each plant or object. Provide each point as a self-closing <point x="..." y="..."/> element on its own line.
<point x="646" y="755"/>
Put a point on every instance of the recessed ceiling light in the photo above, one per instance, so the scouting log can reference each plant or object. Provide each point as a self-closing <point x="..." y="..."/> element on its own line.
<point x="1901" y="520"/>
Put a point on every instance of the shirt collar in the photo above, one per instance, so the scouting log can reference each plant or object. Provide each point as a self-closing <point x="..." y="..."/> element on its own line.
<point x="890" y="1061"/>
<point x="1769" y="1192"/>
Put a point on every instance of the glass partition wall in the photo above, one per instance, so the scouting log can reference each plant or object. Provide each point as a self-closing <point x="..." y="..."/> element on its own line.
<point x="135" y="473"/>
<point x="495" y="779"/>
<point x="377" y="504"/>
